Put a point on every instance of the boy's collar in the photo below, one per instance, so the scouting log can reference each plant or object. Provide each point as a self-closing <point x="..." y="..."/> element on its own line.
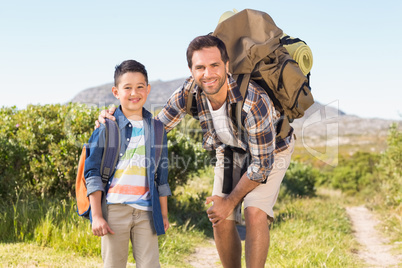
<point x="123" y="121"/>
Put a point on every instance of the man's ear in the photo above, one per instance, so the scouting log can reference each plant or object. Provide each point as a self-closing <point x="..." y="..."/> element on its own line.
<point x="115" y="92"/>
<point x="227" y="67"/>
<point x="191" y="71"/>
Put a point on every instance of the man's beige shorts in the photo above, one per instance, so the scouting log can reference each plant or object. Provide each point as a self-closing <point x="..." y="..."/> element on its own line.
<point x="263" y="196"/>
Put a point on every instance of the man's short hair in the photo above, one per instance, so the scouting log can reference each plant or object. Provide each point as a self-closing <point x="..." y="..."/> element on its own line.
<point x="205" y="41"/>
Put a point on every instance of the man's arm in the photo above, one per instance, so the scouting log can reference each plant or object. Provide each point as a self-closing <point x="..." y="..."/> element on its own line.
<point x="261" y="141"/>
<point x="175" y="108"/>
<point x="108" y="113"/>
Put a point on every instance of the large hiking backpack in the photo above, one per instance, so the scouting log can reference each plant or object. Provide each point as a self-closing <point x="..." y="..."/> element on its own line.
<point x="110" y="158"/>
<point x="255" y="46"/>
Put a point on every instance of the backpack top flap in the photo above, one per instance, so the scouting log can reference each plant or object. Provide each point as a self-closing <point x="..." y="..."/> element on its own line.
<point x="249" y="36"/>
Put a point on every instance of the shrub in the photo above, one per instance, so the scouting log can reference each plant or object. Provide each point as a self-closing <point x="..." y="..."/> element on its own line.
<point x="299" y="180"/>
<point x="390" y="171"/>
<point x="186" y="157"/>
<point x="354" y="174"/>
<point x="40" y="147"/>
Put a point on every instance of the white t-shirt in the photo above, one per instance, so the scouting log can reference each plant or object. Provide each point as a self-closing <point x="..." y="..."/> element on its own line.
<point x="221" y="123"/>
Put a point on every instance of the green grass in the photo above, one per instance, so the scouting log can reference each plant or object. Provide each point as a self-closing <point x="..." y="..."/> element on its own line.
<point x="312" y="233"/>
<point x="307" y="232"/>
<point x="24" y="254"/>
<point x="55" y="235"/>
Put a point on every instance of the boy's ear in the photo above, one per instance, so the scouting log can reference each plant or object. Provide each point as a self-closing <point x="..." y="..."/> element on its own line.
<point x="149" y="88"/>
<point x="115" y="92"/>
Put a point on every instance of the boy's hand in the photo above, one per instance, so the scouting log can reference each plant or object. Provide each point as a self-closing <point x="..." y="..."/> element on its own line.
<point x="105" y="114"/>
<point x="166" y="223"/>
<point x="100" y="227"/>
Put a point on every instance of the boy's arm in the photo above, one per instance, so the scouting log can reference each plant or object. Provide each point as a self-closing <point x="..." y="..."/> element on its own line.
<point x="93" y="161"/>
<point x="162" y="182"/>
<point x="95" y="187"/>
<point x="164" y="209"/>
<point x="162" y="170"/>
<point x="99" y="226"/>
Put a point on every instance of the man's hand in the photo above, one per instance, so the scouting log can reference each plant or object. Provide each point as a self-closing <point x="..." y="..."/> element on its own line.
<point x="100" y="227"/>
<point x="221" y="208"/>
<point x="105" y="114"/>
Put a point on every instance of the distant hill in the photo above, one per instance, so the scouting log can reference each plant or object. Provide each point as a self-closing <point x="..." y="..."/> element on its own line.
<point x="321" y="126"/>
<point x="325" y="126"/>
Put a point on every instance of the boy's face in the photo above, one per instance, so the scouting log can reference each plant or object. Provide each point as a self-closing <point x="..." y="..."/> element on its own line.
<point x="132" y="90"/>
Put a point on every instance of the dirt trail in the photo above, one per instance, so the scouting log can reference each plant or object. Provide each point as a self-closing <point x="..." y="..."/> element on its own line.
<point x="375" y="250"/>
<point x="205" y="257"/>
<point x="208" y="256"/>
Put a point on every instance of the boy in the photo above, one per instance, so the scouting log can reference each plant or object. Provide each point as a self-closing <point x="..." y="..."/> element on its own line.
<point x="136" y="195"/>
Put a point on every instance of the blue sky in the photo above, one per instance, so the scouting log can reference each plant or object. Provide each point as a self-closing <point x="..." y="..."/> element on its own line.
<point x="51" y="50"/>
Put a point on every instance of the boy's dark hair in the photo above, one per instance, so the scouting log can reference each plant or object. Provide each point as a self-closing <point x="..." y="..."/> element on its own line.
<point x="204" y="41"/>
<point x="129" y="66"/>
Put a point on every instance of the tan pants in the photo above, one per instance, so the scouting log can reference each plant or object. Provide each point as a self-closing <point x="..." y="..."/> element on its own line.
<point x="132" y="224"/>
<point x="263" y="196"/>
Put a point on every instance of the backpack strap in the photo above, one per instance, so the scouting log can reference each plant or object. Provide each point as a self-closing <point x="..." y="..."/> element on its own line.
<point x="242" y="81"/>
<point x="158" y="128"/>
<point x="191" y="102"/>
<point x="286" y="40"/>
<point x="112" y="149"/>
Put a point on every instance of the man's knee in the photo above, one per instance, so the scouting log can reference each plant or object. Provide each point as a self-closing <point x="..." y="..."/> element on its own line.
<point x="225" y="227"/>
<point x="255" y="216"/>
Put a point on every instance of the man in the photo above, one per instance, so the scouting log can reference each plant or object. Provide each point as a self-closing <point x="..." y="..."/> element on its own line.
<point x="267" y="161"/>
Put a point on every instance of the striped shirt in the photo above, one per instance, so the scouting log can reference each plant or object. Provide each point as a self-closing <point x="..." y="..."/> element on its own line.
<point x="258" y="116"/>
<point x="129" y="184"/>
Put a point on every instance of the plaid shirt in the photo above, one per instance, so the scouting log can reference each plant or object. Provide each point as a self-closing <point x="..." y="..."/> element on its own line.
<point x="258" y="116"/>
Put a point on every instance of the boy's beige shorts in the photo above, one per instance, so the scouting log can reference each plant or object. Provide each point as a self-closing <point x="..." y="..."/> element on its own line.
<point x="263" y="196"/>
<point x="128" y="224"/>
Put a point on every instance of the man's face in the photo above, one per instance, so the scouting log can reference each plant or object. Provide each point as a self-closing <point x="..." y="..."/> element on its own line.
<point x="208" y="70"/>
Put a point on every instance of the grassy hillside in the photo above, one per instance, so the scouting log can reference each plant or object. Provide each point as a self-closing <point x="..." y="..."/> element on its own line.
<point x="308" y="231"/>
<point x="39" y="226"/>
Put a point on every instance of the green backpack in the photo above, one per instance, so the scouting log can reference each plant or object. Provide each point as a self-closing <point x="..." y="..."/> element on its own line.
<point x="256" y="49"/>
